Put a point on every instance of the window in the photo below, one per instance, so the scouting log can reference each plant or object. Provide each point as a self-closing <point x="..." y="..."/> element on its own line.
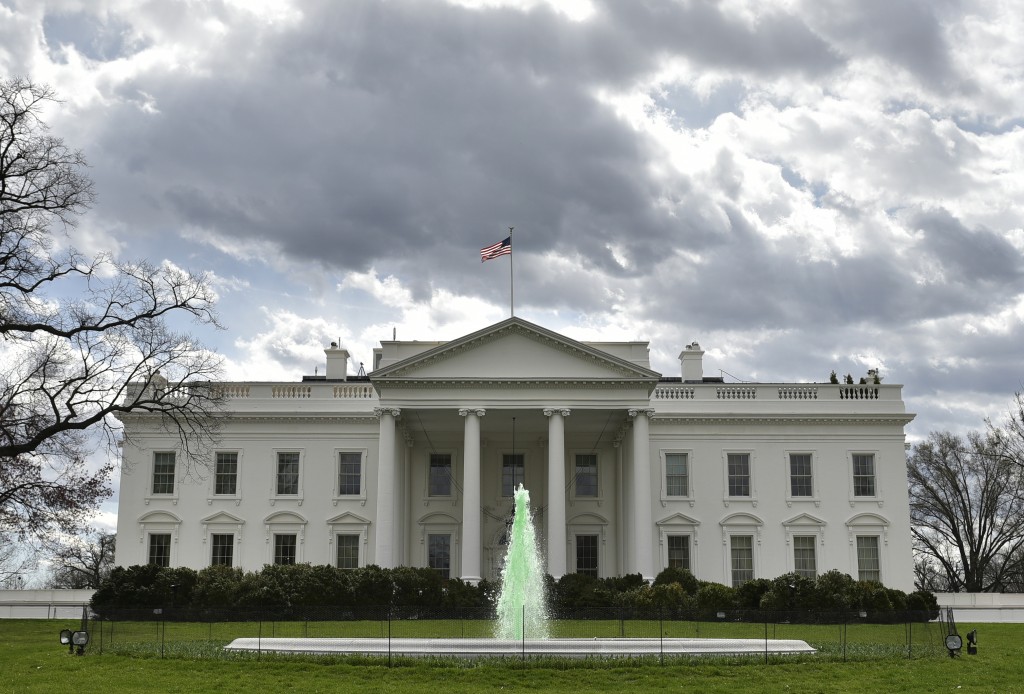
<point x="679" y="552"/>
<point x="163" y="472"/>
<point x="741" y="551"/>
<point x="288" y="473"/>
<point x="350" y="473"/>
<point x="739" y="474"/>
<point x="801" y="482"/>
<point x="160" y="549"/>
<point x="348" y="551"/>
<point x="512" y="473"/>
<point x="863" y="474"/>
<point x="439" y="554"/>
<point x="586" y="475"/>
<point x="586" y="555"/>
<point x="225" y="476"/>
<point x="868" y="566"/>
<point x="285" y="548"/>
<point x="677" y="474"/>
<point x="804" y="563"/>
<point x="223" y="550"/>
<point x="439" y="482"/>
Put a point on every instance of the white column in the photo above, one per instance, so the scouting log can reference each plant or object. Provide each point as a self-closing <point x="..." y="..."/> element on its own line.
<point x="556" y="491"/>
<point x="385" y="543"/>
<point x="471" y="564"/>
<point x="642" y="523"/>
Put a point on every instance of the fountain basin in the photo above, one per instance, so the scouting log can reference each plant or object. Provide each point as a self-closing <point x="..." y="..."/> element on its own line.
<point x="561" y="648"/>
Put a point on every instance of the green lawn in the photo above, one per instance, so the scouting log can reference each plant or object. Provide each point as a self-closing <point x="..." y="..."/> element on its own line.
<point x="32" y="660"/>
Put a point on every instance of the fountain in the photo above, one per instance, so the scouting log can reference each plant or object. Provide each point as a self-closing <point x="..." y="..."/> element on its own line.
<point x="522" y="602"/>
<point x="522" y="623"/>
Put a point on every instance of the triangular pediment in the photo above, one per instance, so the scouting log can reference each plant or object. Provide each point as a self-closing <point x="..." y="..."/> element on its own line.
<point x="678" y="519"/>
<point x="513" y="350"/>
<point x="347" y="518"/>
<point x="804" y="519"/>
<point x="222" y="517"/>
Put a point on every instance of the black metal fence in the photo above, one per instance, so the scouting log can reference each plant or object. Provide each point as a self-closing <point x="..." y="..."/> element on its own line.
<point x="628" y="632"/>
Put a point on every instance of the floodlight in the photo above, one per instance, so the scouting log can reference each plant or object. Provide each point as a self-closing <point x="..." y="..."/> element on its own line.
<point x="954" y="643"/>
<point x="972" y="642"/>
<point x="80" y="638"/>
<point x="65" y="637"/>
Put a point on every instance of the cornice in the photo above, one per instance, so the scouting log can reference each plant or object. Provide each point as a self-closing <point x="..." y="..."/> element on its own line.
<point x="515" y="383"/>
<point x="764" y="418"/>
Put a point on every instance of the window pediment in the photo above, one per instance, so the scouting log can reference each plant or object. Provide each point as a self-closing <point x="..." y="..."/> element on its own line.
<point x="678" y="519"/>
<point x="159" y="517"/>
<point x="804" y="520"/>
<point x="284" y="517"/>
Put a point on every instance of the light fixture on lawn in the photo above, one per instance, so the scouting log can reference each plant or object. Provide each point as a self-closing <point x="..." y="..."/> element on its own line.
<point x="74" y="639"/>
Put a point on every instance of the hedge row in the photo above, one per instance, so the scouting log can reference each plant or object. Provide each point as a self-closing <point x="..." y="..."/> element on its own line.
<point x="674" y="590"/>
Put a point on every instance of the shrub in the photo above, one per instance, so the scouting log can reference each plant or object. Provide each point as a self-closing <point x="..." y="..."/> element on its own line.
<point x="684" y="578"/>
<point x="713" y="597"/>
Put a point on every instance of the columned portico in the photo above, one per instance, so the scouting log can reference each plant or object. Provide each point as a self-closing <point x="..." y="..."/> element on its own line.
<point x="556" y="491"/>
<point x="471" y="564"/>
<point x="643" y="549"/>
<point x="385" y="544"/>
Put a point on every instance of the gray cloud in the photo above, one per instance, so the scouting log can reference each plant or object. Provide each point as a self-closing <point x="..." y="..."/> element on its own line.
<point x="799" y="214"/>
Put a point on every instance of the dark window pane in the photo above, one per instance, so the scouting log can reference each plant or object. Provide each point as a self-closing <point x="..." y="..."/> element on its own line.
<point x="287" y="473"/>
<point x="739" y="474"/>
<point x="348" y="551"/>
<point x="160" y="549"/>
<point x="586" y="475"/>
<point x="440" y="482"/>
<point x="586" y="555"/>
<point x="285" y="549"/>
<point x="800" y="481"/>
<point x="163" y="472"/>
<point x="439" y="553"/>
<point x="512" y="473"/>
<point x="350" y="466"/>
<point x="677" y="474"/>
<point x="223" y="551"/>
<point x="226" y="474"/>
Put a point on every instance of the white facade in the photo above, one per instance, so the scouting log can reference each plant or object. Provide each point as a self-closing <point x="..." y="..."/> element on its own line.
<point x="628" y="471"/>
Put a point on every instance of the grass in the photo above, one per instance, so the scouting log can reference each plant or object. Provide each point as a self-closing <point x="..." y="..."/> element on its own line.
<point x="32" y="660"/>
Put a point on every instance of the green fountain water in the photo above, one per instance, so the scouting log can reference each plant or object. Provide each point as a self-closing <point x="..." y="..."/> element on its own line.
<point x="522" y="602"/>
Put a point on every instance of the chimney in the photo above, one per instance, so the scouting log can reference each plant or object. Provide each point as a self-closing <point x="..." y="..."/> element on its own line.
<point x="692" y="358"/>
<point x="337" y="363"/>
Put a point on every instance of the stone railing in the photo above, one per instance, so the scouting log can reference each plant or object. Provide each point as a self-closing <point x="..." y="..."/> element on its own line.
<point x="858" y="392"/>
<point x="674" y="393"/>
<point x="359" y="391"/>
<point x="787" y="392"/>
<point x="798" y="393"/>
<point x="295" y="391"/>
<point x="736" y="393"/>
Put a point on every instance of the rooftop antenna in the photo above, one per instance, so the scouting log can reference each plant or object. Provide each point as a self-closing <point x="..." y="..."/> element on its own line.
<point x="394" y="333"/>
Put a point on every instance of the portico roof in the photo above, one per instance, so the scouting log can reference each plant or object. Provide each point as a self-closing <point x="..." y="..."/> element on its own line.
<point x="514" y="354"/>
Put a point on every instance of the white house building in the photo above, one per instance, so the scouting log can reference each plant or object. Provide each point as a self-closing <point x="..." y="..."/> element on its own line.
<point x="629" y="471"/>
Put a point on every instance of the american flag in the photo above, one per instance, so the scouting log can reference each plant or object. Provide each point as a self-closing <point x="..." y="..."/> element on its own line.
<point x="503" y="247"/>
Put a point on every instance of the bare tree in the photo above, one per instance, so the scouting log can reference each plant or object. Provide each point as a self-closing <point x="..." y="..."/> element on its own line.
<point x="18" y="561"/>
<point x="967" y="509"/>
<point x="82" y="562"/>
<point x="82" y="340"/>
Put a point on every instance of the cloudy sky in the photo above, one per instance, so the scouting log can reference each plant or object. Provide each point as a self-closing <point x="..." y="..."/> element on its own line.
<point x="800" y="185"/>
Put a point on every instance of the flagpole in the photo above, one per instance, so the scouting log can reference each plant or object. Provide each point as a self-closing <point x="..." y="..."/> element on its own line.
<point x="511" y="276"/>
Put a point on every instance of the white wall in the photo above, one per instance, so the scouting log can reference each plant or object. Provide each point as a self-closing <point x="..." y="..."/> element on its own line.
<point x="43" y="604"/>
